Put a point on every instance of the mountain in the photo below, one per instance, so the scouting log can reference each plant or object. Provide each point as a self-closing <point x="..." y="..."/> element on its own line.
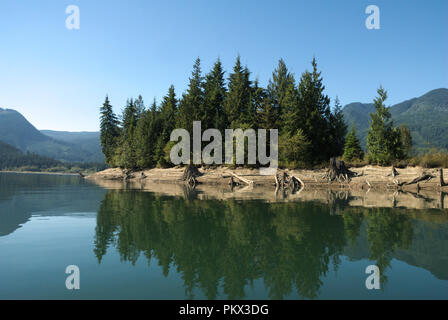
<point x="75" y="147"/>
<point x="426" y="117"/>
<point x="11" y="157"/>
<point x="89" y="142"/>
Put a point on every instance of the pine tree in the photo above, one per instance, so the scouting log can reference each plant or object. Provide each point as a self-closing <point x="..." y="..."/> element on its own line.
<point x="145" y="137"/>
<point x="237" y="103"/>
<point x="352" y="148"/>
<point x="109" y="130"/>
<point x="311" y="113"/>
<point x="214" y="95"/>
<point x="337" y="130"/>
<point x="191" y="105"/>
<point x="168" y="112"/>
<point x="131" y="115"/>
<point x="281" y="91"/>
<point x="381" y="137"/>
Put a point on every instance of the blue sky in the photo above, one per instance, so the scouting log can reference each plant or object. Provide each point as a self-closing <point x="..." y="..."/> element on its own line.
<point x="58" y="78"/>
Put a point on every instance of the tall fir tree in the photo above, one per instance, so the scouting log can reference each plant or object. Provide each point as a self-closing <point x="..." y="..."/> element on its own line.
<point x="168" y="112"/>
<point x="191" y="105"/>
<point x="311" y="114"/>
<point x="131" y="115"/>
<point x="381" y="137"/>
<point x="214" y="96"/>
<point x="237" y="104"/>
<point x="281" y="91"/>
<point x="109" y="132"/>
<point x="337" y="130"/>
<point x="145" y="137"/>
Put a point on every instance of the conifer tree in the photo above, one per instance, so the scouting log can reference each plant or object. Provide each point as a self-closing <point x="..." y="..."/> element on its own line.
<point x="311" y="113"/>
<point x="281" y="91"/>
<point x="168" y="111"/>
<point x="352" y="148"/>
<point x="214" y="96"/>
<point x="381" y="137"/>
<point x="109" y="130"/>
<point x="237" y="103"/>
<point x="337" y="130"/>
<point x="191" y="105"/>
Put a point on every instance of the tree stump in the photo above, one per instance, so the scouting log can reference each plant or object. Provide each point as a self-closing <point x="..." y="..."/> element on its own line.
<point x="190" y="174"/>
<point x="337" y="170"/>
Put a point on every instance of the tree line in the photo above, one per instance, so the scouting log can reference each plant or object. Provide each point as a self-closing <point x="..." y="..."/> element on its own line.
<point x="310" y="130"/>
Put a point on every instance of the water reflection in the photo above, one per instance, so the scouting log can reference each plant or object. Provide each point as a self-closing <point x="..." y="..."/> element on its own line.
<point x="290" y="245"/>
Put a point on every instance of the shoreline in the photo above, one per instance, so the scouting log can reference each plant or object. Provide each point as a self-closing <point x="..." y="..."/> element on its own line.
<point x="40" y="172"/>
<point x="367" y="178"/>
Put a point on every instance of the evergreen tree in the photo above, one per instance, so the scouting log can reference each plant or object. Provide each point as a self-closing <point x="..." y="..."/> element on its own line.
<point x="214" y="96"/>
<point x="311" y="113"/>
<point x="337" y="130"/>
<point x="191" y="105"/>
<point x="109" y="130"/>
<point x="352" y="148"/>
<point x="237" y="105"/>
<point x="281" y="91"/>
<point x="145" y="137"/>
<point x="131" y="115"/>
<point x="166" y="119"/>
<point x="381" y="137"/>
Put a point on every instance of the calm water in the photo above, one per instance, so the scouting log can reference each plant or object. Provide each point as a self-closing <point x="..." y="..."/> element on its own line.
<point x="140" y="245"/>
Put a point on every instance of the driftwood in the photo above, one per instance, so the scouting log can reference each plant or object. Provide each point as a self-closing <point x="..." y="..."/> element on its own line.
<point x="246" y="181"/>
<point x="424" y="177"/>
<point x="338" y="171"/>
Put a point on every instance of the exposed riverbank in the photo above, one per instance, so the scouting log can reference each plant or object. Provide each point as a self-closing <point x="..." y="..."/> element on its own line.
<point x="367" y="177"/>
<point x="374" y="187"/>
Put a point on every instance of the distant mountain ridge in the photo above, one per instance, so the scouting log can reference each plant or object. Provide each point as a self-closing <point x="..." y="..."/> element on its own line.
<point x="17" y="131"/>
<point x="426" y="117"/>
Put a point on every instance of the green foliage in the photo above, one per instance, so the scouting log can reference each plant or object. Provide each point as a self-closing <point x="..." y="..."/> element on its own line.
<point x="309" y="131"/>
<point x="352" y="148"/>
<point x="237" y="105"/>
<point x="381" y="138"/>
<point x="109" y="130"/>
<point x="295" y="148"/>
<point x="385" y="143"/>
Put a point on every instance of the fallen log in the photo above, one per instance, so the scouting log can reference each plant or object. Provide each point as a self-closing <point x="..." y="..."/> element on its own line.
<point x="246" y="181"/>
<point x="423" y="177"/>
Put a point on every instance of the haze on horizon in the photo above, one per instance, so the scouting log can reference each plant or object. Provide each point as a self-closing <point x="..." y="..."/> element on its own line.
<point x="58" y="78"/>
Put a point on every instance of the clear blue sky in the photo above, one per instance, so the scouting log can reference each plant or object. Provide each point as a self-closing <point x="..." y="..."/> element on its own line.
<point x="58" y="78"/>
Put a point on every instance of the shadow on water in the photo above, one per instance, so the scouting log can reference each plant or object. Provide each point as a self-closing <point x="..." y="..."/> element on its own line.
<point x="291" y="246"/>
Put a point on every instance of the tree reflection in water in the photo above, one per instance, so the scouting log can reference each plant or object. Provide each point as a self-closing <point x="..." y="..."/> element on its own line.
<point x="229" y="244"/>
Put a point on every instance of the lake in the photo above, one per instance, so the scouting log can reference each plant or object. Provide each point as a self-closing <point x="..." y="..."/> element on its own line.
<point x="134" y="244"/>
